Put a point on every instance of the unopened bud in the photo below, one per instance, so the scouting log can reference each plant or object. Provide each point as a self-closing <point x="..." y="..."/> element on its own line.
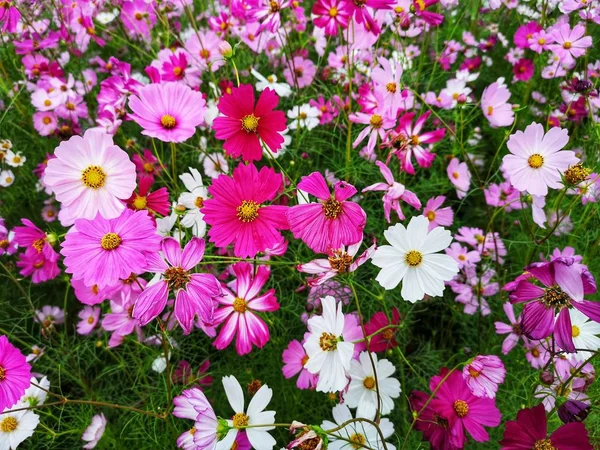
<point x="226" y="50"/>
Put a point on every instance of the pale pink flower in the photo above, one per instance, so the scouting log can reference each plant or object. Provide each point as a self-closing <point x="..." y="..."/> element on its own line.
<point x="460" y="177"/>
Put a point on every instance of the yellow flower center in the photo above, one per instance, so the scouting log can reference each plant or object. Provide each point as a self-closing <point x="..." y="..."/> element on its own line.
<point x="332" y="208"/>
<point x="70" y="106"/>
<point x="140" y="202"/>
<point x="535" y="161"/>
<point x="148" y="167"/>
<point x="93" y="177"/>
<point x="544" y="444"/>
<point x="461" y="408"/>
<point x="9" y="425"/>
<point x="414" y="258"/>
<point x="576" y="331"/>
<point x="199" y="202"/>
<point x="490" y="110"/>
<point x="47" y="120"/>
<point x="455" y="175"/>
<point x="340" y="261"/>
<point x="430" y="215"/>
<point x="95" y="289"/>
<point x="4" y="244"/>
<point x="47" y="103"/>
<point x="474" y="372"/>
<point x="240" y="420"/>
<point x="376" y="121"/>
<point x="369" y="382"/>
<point x="2" y="373"/>
<point x="138" y="16"/>
<point x="333" y="12"/>
<point x="247" y="211"/>
<point x="110" y="241"/>
<point x="239" y="305"/>
<point x="250" y="123"/>
<point x="391" y="87"/>
<point x="567" y="45"/>
<point x="177" y="71"/>
<point x="541" y="41"/>
<point x="358" y="440"/>
<point x="167" y="121"/>
<point x="328" y="342"/>
<point x="90" y="320"/>
<point x="274" y="6"/>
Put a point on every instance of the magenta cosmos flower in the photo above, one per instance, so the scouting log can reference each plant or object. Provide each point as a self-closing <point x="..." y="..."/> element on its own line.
<point x="194" y="292"/>
<point x="100" y="252"/>
<point x="15" y="374"/>
<point x="90" y="175"/>
<point x="243" y="125"/>
<point x="236" y="212"/>
<point x="294" y="359"/>
<point x="537" y="159"/>
<point x="564" y="283"/>
<point x="331" y="15"/>
<point x="331" y="222"/>
<point x="463" y="410"/>
<point x="237" y="313"/>
<point x="169" y="112"/>
<point x="530" y="432"/>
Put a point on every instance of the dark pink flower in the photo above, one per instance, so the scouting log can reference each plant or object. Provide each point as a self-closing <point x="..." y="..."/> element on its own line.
<point x="523" y="69"/>
<point x="15" y="374"/>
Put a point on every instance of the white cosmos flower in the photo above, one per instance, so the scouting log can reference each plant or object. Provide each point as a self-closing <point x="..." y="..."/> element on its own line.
<point x="35" y="395"/>
<point x="215" y="164"/>
<point x="282" y="89"/>
<point x="303" y="116"/>
<point x="328" y="354"/>
<point x="362" y="391"/>
<point x="412" y="257"/>
<point x="360" y="434"/>
<point x="193" y="201"/>
<point x="14" y="159"/>
<point x="254" y="415"/>
<point x="15" y="427"/>
<point x="585" y="334"/>
<point x="6" y="178"/>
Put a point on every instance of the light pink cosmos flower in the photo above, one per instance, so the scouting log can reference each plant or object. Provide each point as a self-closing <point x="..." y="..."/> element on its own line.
<point x="138" y="17"/>
<point x="45" y="122"/>
<point x="89" y="319"/>
<point x="90" y="175"/>
<point x="438" y="216"/>
<point x="377" y="121"/>
<point x="100" y="252"/>
<point x="239" y="307"/>
<point x="300" y="71"/>
<point x="387" y="84"/>
<point x="194" y="292"/>
<point x="339" y="261"/>
<point x="93" y="433"/>
<point x="569" y="44"/>
<point x="462" y="255"/>
<point x="513" y="329"/>
<point x="203" y="50"/>
<point x="539" y="42"/>
<point x="484" y="374"/>
<point x="495" y="106"/>
<point x="394" y="192"/>
<point x="294" y="359"/>
<point x="120" y="320"/>
<point x="169" y="112"/>
<point x="332" y="221"/>
<point x="536" y="161"/>
<point x="460" y="177"/>
<point x="474" y="289"/>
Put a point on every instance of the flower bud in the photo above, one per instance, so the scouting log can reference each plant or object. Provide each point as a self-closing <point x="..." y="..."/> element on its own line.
<point x="573" y="411"/>
<point x="226" y="50"/>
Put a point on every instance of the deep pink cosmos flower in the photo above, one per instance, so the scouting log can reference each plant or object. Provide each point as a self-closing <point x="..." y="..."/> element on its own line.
<point x="331" y="15"/>
<point x="239" y="306"/>
<point x="434" y="427"/>
<point x="433" y="19"/>
<point x="237" y="213"/>
<point x="464" y="411"/>
<point x="15" y="374"/>
<point x="294" y="359"/>
<point x="101" y="251"/>
<point x="484" y="374"/>
<point x="38" y="267"/>
<point x="120" y="319"/>
<point x="563" y="286"/>
<point x="385" y="339"/>
<point x="332" y="221"/>
<point x="186" y="375"/>
<point x="530" y="431"/>
<point x="147" y="165"/>
<point x="194" y="292"/>
<point x="169" y="112"/>
<point x="243" y="125"/>
<point x="523" y="69"/>
<point x="524" y="33"/>
<point x="138" y="17"/>
<point x="34" y="240"/>
<point x="359" y="9"/>
<point x="155" y="202"/>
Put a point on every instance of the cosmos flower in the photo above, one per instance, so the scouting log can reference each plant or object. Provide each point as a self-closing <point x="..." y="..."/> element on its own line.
<point x="15" y="373"/>
<point x="94" y="432"/>
<point x="294" y="359"/>
<point x="483" y="375"/>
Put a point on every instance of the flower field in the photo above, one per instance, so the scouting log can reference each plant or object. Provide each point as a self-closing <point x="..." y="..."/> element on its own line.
<point x="311" y="225"/>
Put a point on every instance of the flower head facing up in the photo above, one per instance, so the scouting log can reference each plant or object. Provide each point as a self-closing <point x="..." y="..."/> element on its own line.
<point x="244" y="125"/>
<point x="15" y="374"/>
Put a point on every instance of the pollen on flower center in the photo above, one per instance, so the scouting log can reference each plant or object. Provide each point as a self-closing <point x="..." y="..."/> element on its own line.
<point x="414" y="258"/>
<point x="167" y="121"/>
<point x="240" y="420"/>
<point x="110" y="241"/>
<point x="369" y="382"/>
<point x="250" y="123"/>
<point x="474" y="372"/>
<point x="576" y="331"/>
<point x="177" y="277"/>
<point x="274" y="6"/>
<point x="391" y="87"/>
<point x="304" y="360"/>
<point x="93" y="177"/>
<point x="38" y="244"/>
<point x="177" y="71"/>
<point x="340" y="261"/>
<point x="199" y="202"/>
<point x="544" y="444"/>
<point x="333" y="12"/>
<point x="567" y="45"/>
<point x="140" y="202"/>
<point x="332" y="208"/>
<point x="4" y="243"/>
<point x="554" y="297"/>
<point x="360" y="3"/>
<point x="90" y="320"/>
<point x="138" y="16"/>
<point x="358" y="440"/>
<point x="430" y="215"/>
<point x="328" y="342"/>
<point x="535" y="161"/>
<point x="376" y="121"/>
<point x="239" y="305"/>
<point x="148" y="167"/>
<point x="9" y="425"/>
<point x="247" y="211"/>
<point x="204" y="53"/>
<point x="490" y="110"/>
<point x="2" y="373"/>
<point x="461" y="408"/>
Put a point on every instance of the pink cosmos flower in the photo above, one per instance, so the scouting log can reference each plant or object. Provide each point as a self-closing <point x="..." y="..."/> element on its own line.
<point x="523" y="70"/>
<point x="524" y="33"/>
<point x="138" y="17"/>
<point x="15" y="374"/>
<point x="361" y="11"/>
<point x="94" y="432"/>
<point x="387" y="84"/>
<point x="385" y="339"/>
<point x="147" y="165"/>
<point x="237" y="214"/>
<point x="438" y="216"/>
<point x="495" y="106"/>
<point x="475" y="288"/>
<point x="90" y="295"/>
<point x="268" y="13"/>
<point x="89" y="319"/>
<point x="169" y="112"/>
<point x="460" y="177"/>
<point x="433" y="19"/>
<point x="9" y="17"/>
<point x="120" y="320"/>
<point x="34" y="240"/>
<point x="239" y="306"/>
<point x="536" y="160"/>
<point x="394" y="192"/>
<point x="332" y="221"/>
<point x="45" y="122"/>
<point x="101" y="251"/>
<point x="203" y="48"/>
<point x="186" y="375"/>
<point x="377" y="121"/>
<point x="569" y="44"/>
<point x="294" y="359"/>
<point x="38" y="266"/>
<point x="90" y="175"/>
<point x="331" y="15"/>
<point x="540" y="41"/>
<point x="513" y="329"/>
<point x="194" y="292"/>
<point x="155" y="202"/>
<point x="484" y="374"/>
<point x="243" y="125"/>
<point x="302" y="72"/>
<point x="503" y="195"/>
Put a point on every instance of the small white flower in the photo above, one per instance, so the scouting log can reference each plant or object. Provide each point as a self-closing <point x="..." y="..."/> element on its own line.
<point x="93" y="433"/>
<point x="215" y="164"/>
<point x="5" y="144"/>
<point x="107" y="17"/>
<point x="412" y="257"/>
<point x="6" y="178"/>
<point x="15" y="427"/>
<point x="254" y="415"/>
<point x="303" y="116"/>
<point x="160" y="364"/>
<point x="585" y="336"/>
<point x="362" y="391"/>
<point x="35" y="395"/>
<point x="282" y="89"/>
<point x="193" y="201"/>
<point x="14" y="159"/>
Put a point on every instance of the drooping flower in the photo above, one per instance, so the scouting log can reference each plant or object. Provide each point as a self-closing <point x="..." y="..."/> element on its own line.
<point x="90" y="175"/>
<point x="194" y="292"/>
<point x="412" y="257"/>
<point x="237" y="212"/>
<point x="169" y="112"/>
<point x="102" y="251"/>
<point x="244" y="125"/>
<point x="94" y="432"/>
<point x="238" y="311"/>
<point x="330" y="223"/>
<point x="15" y="374"/>
<point x="514" y="329"/>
